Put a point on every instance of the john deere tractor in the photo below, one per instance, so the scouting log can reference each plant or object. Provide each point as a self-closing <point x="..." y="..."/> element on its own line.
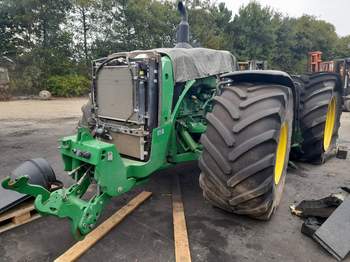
<point x="152" y="109"/>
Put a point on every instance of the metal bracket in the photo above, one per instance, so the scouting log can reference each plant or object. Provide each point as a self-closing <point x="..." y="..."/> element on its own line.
<point x="64" y="203"/>
<point x="21" y="185"/>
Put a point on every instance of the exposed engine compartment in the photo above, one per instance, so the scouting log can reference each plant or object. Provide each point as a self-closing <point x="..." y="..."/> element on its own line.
<point x="125" y="100"/>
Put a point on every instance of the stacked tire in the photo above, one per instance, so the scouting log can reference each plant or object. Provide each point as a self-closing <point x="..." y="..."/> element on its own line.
<point x="321" y="108"/>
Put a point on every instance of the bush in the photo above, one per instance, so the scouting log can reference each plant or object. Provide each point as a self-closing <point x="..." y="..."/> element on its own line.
<point x="68" y="86"/>
<point x="26" y="80"/>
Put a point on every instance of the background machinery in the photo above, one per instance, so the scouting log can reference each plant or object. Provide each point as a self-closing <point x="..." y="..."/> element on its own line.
<point x="252" y="65"/>
<point x="340" y="66"/>
<point x="152" y="109"/>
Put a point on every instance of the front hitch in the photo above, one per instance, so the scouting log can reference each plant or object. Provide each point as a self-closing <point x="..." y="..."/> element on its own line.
<point x="22" y="186"/>
<point x="35" y="176"/>
<point x="63" y="203"/>
<point x="87" y="161"/>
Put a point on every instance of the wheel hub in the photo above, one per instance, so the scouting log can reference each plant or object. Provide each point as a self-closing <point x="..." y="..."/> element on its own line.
<point x="329" y="126"/>
<point x="281" y="152"/>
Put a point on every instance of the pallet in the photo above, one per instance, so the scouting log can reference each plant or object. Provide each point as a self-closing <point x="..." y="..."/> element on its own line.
<point x="18" y="216"/>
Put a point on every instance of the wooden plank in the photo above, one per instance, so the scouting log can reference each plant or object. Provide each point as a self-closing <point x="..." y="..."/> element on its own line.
<point x="81" y="247"/>
<point x="18" y="220"/>
<point x="18" y="211"/>
<point x="182" y="247"/>
<point x="12" y="225"/>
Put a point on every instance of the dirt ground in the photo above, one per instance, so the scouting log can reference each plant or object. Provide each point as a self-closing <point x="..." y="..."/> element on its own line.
<point x="36" y="110"/>
<point x="30" y="129"/>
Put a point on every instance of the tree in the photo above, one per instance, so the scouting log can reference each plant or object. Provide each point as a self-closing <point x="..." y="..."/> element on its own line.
<point x="57" y="38"/>
<point x="309" y="34"/>
<point x="81" y="20"/>
<point x="312" y="34"/>
<point x="34" y="39"/>
<point x="16" y="27"/>
<point x="253" y="31"/>
<point x="210" y="25"/>
<point x="343" y="47"/>
<point x="282" y="57"/>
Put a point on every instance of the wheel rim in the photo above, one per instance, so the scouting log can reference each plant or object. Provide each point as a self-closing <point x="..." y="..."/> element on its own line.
<point x="281" y="152"/>
<point x="329" y="126"/>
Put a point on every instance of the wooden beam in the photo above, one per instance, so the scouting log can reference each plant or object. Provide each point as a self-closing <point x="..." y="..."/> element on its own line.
<point x="182" y="247"/>
<point x="82" y="246"/>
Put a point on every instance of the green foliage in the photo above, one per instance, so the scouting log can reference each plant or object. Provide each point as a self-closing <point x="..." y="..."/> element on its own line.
<point x="343" y="47"/>
<point x="254" y="34"/>
<point x="50" y="39"/>
<point x="68" y="85"/>
<point x="127" y="25"/>
<point x="210" y="25"/>
<point x="282" y="57"/>
<point x="313" y="34"/>
<point x="28" y="80"/>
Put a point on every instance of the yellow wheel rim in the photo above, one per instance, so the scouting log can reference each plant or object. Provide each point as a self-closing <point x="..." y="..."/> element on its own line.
<point x="281" y="152"/>
<point x="329" y="126"/>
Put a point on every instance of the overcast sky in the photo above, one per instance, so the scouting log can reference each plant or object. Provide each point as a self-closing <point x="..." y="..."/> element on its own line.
<point x="336" y="12"/>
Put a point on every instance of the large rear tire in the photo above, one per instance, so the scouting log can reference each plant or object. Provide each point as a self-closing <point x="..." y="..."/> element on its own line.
<point x="319" y="118"/>
<point x="246" y="148"/>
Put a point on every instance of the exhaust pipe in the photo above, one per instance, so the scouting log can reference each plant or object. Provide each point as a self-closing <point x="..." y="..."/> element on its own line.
<point x="183" y="30"/>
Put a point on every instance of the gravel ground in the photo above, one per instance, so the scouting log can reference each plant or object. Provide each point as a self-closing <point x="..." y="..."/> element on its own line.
<point x="31" y="129"/>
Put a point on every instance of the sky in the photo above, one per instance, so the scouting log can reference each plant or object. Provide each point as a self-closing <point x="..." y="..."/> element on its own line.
<point x="336" y="12"/>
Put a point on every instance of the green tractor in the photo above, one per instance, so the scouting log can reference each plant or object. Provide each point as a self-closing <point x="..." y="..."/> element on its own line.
<point x="153" y="109"/>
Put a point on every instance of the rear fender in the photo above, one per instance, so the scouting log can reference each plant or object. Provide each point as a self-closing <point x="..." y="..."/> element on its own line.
<point x="271" y="77"/>
<point x="326" y="76"/>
